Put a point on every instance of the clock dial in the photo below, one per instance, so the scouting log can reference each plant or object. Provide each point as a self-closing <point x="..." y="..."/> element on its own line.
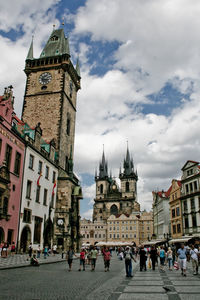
<point x="60" y="222"/>
<point x="45" y="78"/>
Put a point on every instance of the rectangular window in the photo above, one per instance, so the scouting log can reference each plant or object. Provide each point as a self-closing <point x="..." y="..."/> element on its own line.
<point x="186" y="188"/>
<point x="17" y="163"/>
<point x="173" y="213"/>
<point x="191" y="187"/>
<point x="195" y="185"/>
<point x="192" y="203"/>
<point x="27" y="216"/>
<point x="8" y="155"/>
<point x="194" y="221"/>
<point x="31" y="161"/>
<point x="99" y="235"/>
<point x="186" y="222"/>
<point x="174" y="228"/>
<point x="28" y="189"/>
<point x="54" y="177"/>
<point x="40" y="167"/>
<point x="111" y="236"/>
<point x="178" y="228"/>
<point x="47" y="172"/>
<point x="177" y="211"/>
<point x="5" y="206"/>
<point x="37" y="230"/>
<point x="52" y="201"/>
<point x="185" y="205"/>
<point x="38" y="194"/>
<point x="45" y="197"/>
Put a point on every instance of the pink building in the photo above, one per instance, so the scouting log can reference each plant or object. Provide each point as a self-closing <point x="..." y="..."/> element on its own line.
<point x="12" y="150"/>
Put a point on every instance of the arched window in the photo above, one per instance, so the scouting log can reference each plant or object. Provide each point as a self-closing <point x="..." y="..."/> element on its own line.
<point x="114" y="210"/>
<point x="101" y="188"/>
<point x="127" y="186"/>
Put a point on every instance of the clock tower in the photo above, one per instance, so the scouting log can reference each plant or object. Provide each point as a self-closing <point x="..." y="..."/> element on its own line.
<point x="50" y="98"/>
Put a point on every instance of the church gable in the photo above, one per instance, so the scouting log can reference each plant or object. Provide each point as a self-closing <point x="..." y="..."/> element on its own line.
<point x="189" y="164"/>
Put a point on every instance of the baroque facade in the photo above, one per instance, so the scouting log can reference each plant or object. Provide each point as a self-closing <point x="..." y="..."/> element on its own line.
<point x="50" y="97"/>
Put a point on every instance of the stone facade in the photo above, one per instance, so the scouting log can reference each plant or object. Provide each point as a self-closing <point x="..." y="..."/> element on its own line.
<point x="50" y="97"/>
<point x="93" y="232"/>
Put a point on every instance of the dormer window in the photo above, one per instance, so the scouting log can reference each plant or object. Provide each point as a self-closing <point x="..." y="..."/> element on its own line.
<point x="43" y="53"/>
<point x="54" y="38"/>
<point x="57" y="51"/>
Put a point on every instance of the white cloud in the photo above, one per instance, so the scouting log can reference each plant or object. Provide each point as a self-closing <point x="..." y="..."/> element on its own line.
<point x="87" y="215"/>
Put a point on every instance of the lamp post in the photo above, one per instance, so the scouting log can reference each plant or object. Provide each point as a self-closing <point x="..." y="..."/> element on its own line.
<point x="61" y="224"/>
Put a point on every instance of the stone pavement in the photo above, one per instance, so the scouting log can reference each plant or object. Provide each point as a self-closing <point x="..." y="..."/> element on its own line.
<point x="22" y="260"/>
<point x="159" y="285"/>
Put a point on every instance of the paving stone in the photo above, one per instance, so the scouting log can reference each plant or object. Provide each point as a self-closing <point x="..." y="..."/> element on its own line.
<point x="147" y="283"/>
<point x="187" y="297"/>
<point x="189" y="283"/>
<point x="138" y="278"/>
<point x="144" y="289"/>
<point x="188" y="289"/>
<point x="142" y="296"/>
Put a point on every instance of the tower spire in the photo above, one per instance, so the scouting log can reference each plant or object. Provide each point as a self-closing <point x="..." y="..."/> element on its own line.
<point x="30" y="52"/>
<point x="103" y="167"/>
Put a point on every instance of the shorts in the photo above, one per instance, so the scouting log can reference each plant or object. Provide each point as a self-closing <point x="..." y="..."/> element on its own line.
<point x="82" y="262"/>
<point x="162" y="261"/>
<point x="182" y="263"/>
<point x="93" y="261"/>
<point x="70" y="261"/>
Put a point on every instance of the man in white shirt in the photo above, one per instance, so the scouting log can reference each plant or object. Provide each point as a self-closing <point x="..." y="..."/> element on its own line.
<point x="194" y="257"/>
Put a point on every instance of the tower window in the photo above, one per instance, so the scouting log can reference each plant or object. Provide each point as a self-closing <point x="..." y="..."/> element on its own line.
<point x="101" y="188"/>
<point x="114" y="210"/>
<point x="68" y="124"/>
<point x="127" y="186"/>
<point x="70" y="88"/>
<point x="8" y="156"/>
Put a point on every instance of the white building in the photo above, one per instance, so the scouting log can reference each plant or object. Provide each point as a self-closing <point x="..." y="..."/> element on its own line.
<point x="161" y="217"/>
<point x="190" y="198"/>
<point x="39" y="191"/>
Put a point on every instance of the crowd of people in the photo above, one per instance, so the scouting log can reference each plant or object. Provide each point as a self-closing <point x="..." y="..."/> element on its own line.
<point x="149" y="257"/>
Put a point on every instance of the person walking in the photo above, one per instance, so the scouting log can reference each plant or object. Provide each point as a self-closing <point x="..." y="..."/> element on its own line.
<point x="162" y="258"/>
<point x="182" y="257"/>
<point x="45" y="251"/>
<point x="69" y="257"/>
<point x="128" y="256"/>
<point x="30" y="250"/>
<point x="107" y="257"/>
<point x="169" y="258"/>
<point x="194" y="259"/>
<point x="153" y="257"/>
<point x="93" y="256"/>
<point x="143" y="258"/>
<point x="82" y="259"/>
<point x="54" y="249"/>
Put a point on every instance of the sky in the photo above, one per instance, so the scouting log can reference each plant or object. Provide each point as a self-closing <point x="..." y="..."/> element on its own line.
<point x="140" y="69"/>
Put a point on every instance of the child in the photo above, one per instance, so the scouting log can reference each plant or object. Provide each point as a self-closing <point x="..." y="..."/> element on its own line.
<point x="82" y="259"/>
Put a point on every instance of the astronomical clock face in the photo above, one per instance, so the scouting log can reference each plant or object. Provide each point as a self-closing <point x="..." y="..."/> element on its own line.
<point x="45" y="78"/>
<point x="60" y="222"/>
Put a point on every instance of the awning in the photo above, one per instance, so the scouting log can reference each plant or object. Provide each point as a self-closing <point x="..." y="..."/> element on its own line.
<point x="153" y="242"/>
<point x="181" y="240"/>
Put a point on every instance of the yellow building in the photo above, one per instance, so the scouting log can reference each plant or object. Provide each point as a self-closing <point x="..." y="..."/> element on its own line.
<point x="145" y="226"/>
<point x="175" y="210"/>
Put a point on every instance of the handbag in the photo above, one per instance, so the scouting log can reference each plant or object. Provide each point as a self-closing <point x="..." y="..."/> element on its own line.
<point x="176" y="265"/>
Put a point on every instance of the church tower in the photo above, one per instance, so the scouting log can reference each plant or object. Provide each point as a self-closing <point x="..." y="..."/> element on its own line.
<point x="50" y="97"/>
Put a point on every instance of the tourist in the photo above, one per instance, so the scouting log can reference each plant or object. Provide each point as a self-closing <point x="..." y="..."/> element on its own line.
<point x="153" y="256"/>
<point x="182" y="259"/>
<point x="54" y="249"/>
<point x="82" y="259"/>
<point x="93" y="257"/>
<point x="45" y="251"/>
<point x="30" y="250"/>
<point x="169" y="258"/>
<point x="107" y="257"/>
<point x="13" y="249"/>
<point x="34" y="262"/>
<point x="162" y="258"/>
<point x="194" y="258"/>
<point x="38" y="251"/>
<point x="143" y="258"/>
<point x="69" y="257"/>
<point x="128" y="261"/>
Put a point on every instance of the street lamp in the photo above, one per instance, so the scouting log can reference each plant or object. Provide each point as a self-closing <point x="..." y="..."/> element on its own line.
<point x="60" y="223"/>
